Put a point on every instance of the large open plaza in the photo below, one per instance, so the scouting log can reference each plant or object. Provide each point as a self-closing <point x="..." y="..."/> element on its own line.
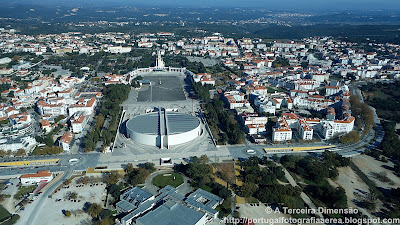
<point x="177" y="132"/>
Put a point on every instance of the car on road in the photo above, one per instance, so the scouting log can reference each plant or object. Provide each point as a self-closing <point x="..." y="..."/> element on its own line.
<point x="251" y="151"/>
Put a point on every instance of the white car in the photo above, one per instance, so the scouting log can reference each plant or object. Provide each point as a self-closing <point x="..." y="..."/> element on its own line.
<point x="250" y="151"/>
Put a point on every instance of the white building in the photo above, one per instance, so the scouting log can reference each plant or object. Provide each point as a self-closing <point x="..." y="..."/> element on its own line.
<point x="86" y="106"/>
<point x="282" y="131"/>
<point x="160" y="64"/>
<point x="27" y="143"/>
<point x="331" y="128"/>
<point x="305" y="132"/>
<point x="40" y="176"/>
<point x="78" y="122"/>
<point x="65" y="141"/>
<point x="119" y="49"/>
<point x="51" y="109"/>
<point x="204" y="78"/>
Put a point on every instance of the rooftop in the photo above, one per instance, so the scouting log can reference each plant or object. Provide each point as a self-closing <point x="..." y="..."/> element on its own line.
<point x="175" y="122"/>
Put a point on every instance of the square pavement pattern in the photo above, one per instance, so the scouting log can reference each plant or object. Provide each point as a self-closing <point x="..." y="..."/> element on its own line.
<point x="163" y="88"/>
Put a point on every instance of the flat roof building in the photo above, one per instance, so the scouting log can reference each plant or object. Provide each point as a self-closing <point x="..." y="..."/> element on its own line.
<point x="163" y="128"/>
<point x="171" y="208"/>
<point x="40" y="176"/>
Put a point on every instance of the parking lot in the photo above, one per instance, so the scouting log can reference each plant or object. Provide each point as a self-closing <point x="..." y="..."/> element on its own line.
<point x="53" y="207"/>
<point x="10" y="190"/>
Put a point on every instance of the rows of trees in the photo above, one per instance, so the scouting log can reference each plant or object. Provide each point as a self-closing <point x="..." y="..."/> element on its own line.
<point x="390" y="144"/>
<point x="351" y="137"/>
<point x="46" y="150"/>
<point x="362" y="113"/>
<point x="114" y="95"/>
<point x="219" y="118"/>
<point x="202" y="91"/>
<point x="260" y="180"/>
<point x="315" y="169"/>
<point x="385" y="99"/>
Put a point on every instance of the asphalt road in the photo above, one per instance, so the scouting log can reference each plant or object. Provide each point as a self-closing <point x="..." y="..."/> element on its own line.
<point x="85" y="160"/>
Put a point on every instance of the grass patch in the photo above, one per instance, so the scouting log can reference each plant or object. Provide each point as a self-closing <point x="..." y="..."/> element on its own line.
<point x="251" y="200"/>
<point x="207" y="188"/>
<point x="3" y="213"/>
<point x="380" y="94"/>
<point x="163" y="180"/>
<point x="11" y="221"/>
<point x="23" y="190"/>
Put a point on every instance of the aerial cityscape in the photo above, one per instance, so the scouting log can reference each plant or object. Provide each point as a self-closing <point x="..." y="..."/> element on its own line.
<point x="215" y="112"/>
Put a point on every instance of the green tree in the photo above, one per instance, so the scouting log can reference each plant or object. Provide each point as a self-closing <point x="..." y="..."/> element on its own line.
<point x="67" y="213"/>
<point x="248" y="189"/>
<point x="115" y="190"/>
<point x="112" y="177"/>
<point x="20" y="152"/>
<point x="129" y="168"/>
<point x="148" y="166"/>
<point x="94" y="210"/>
<point x="138" y="176"/>
<point x="99" y="121"/>
<point x="351" y="137"/>
<point x="204" y="159"/>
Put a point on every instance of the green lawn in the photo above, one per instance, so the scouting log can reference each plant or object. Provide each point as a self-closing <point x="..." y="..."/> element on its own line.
<point x="380" y="94"/>
<point x="163" y="180"/>
<point x="3" y="213"/>
<point x="12" y="221"/>
<point x="251" y="200"/>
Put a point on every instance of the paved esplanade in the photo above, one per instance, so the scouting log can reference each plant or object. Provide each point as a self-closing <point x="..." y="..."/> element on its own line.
<point x="167" y="90"/>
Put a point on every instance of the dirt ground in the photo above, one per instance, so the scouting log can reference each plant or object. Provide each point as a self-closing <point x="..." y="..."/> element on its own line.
<point x="371" y="167"/>
<point x="228" y="169"/>
<point x="355" y="188"/>
<point x="52" y="208"/>
<point x="254" y="212"/>
<point x="351" y="182"/>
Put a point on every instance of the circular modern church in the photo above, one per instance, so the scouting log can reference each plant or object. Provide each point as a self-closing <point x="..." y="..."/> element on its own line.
<point x="163" y="128"/>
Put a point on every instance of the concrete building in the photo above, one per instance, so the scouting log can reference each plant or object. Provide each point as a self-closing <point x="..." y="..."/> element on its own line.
<point x="65" y="141"/>
<point x="40" y="176"/>
<point x="78" y="122"/>
<point x="86" y="106"/>
<point x="203" y="78"/>
<point x="132" y="198"/>
<point x="14" y="144"/>
<point x="163" y="129"/>
<point x="282" y="131"/>
<point x="169" y="207"/>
